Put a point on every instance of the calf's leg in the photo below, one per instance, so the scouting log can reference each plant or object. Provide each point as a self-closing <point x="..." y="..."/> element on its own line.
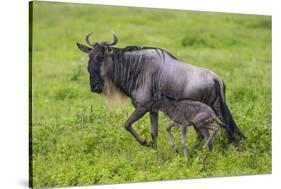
<point x="199" y="134"/>
<point x="171" y="137"/>
<point x="205" y="133"/>
<point x="183" y="140"/>
<point x="213" y="131"/>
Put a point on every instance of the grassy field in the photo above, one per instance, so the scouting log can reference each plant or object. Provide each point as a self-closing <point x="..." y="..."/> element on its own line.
<point x="78" y="140"/>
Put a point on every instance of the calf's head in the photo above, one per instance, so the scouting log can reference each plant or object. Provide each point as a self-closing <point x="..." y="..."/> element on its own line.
<point x="99" y="61"/>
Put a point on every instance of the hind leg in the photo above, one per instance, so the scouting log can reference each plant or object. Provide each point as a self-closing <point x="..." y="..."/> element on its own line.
<point x="205" y="133"/>
<point x="171" y="137"/>
<point x="199" y="135"/>
<point x="213" y="131"/>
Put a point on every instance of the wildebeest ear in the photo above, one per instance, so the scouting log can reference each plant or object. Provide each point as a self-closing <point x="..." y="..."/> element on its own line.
<point x="84" y="48"/>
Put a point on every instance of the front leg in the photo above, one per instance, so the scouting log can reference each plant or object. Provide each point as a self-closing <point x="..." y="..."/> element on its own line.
<point x="154" y="127"/>
<point x="183" y="140"/>
<point x="136" y="115"/>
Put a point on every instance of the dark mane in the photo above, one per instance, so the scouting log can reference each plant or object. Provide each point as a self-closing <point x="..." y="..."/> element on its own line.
<point x="136" y="48"/>
<point x="132" y="48"/>
<point x="128" y="68"/>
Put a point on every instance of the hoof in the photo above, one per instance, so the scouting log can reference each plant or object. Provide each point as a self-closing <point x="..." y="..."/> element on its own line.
<point x="150" y="144"/>
<point x="144" y="143"/>
<point x="206" y="147"/>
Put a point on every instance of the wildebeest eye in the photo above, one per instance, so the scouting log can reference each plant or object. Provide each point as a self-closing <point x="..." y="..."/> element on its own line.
<point x="100" y="57"/>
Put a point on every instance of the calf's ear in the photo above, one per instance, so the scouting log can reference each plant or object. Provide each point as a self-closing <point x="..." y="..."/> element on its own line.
<point x="84" y="48"/>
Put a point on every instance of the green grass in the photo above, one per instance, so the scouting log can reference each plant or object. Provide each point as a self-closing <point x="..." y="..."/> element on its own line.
<point x="78" y="140"/>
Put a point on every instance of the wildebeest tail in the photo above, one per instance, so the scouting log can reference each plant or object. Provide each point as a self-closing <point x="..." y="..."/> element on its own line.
<point x="230" y="125"/>
<point x="236" y="131"/>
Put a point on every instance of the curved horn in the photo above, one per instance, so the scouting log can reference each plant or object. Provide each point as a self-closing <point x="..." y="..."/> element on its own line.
<point x="88" y="40"/>
<point x="115" y="40"/>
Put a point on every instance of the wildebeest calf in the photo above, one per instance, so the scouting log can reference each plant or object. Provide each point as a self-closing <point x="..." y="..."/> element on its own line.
<point x="187" y="113"/>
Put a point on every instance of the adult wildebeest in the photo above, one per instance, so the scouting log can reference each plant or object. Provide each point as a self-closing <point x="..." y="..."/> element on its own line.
<point x="141" y="72"/>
